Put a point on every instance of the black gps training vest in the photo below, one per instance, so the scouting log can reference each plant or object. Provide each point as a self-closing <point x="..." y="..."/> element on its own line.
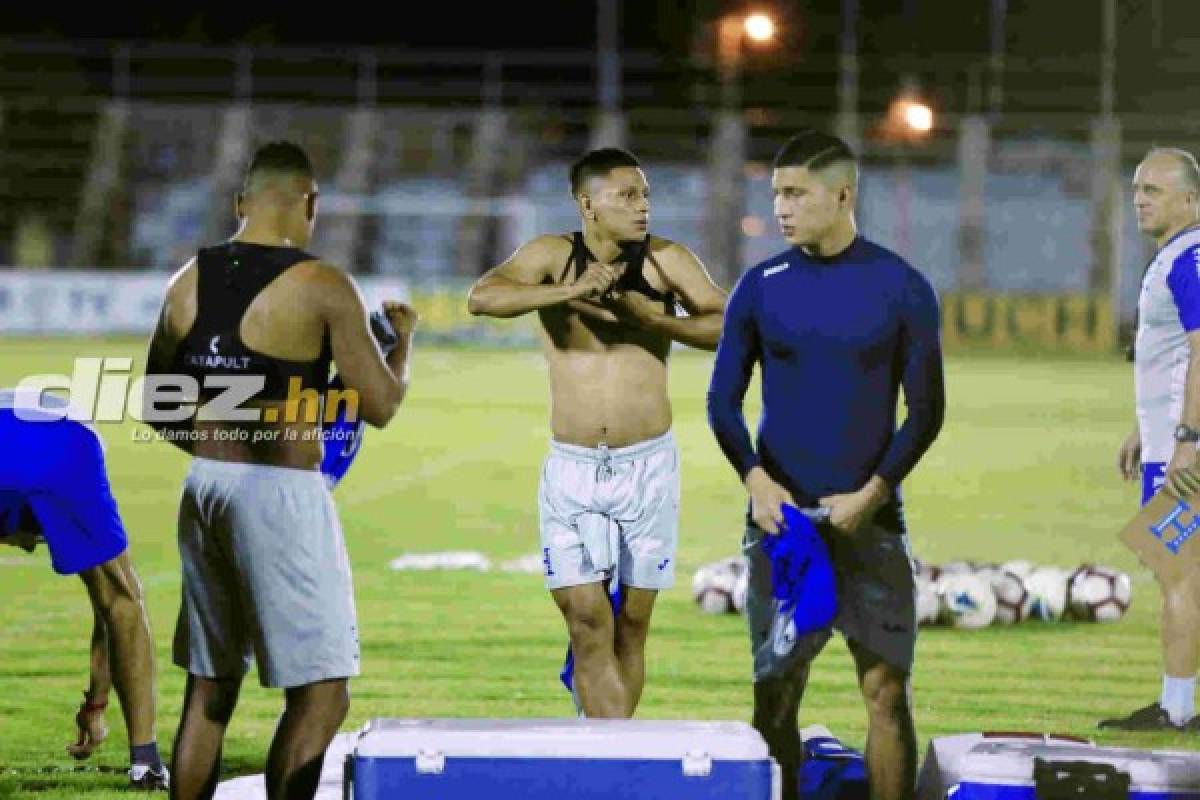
<point x="230" y="276"/>
<point x="632" y="280"/>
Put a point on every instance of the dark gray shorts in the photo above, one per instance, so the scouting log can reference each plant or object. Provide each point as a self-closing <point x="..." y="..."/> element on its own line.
<point x="265" y="575"/>
<point x="876" y="601"/>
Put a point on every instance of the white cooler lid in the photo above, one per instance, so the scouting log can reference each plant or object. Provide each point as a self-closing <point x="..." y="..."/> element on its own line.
<point x="1008" y="762"/>
<point x="561" y="738"/>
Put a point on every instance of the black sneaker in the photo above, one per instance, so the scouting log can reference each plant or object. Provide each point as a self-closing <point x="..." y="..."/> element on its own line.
<point x="1151" y="718"/>
<point x="1192" y="725"/>
<point x="142" y="776"/>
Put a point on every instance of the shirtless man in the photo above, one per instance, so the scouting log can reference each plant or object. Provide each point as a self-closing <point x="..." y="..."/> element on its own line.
<point x="609" y="494"/>
<point x="265" y="570"/>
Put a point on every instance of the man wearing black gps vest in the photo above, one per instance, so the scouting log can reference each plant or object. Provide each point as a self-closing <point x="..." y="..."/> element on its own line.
<point x="265" y="572"/>
<point x="609" y="495"/>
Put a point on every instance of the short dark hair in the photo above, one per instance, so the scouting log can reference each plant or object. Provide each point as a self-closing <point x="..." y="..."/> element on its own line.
<point x="595" y="163"/>
<point x="814" y="150"/>
<point x="280" y="158"/>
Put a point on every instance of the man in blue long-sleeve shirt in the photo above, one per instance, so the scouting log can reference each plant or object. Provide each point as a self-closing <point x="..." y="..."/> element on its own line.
<point x="838" y="324"/>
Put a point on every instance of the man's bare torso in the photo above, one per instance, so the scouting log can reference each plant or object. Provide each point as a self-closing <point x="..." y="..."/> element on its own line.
<point x="608" y="380"/>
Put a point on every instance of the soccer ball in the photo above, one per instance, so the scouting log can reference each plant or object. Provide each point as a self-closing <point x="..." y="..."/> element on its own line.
<point x="713" y="585"/>
<point x="1012" y="598"/>
<point x="718" y="575"/>
<point x="1020" y="568"/>
<point x="714" y="601"/>
<point x="989" y="572"/>
<point x="1048" y="590"/>
<point x="929" y="605"/>
<point x="967" y="600"/>
<point x="926" y="572"/>
<point x="1098" y="594"/>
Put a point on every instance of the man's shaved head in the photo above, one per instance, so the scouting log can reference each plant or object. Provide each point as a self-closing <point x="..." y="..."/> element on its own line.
<point x="278" y="200"/>
<point x="1166" y="193"/>
<point x="1183" y="161"/>
<point x="275" y="161"/>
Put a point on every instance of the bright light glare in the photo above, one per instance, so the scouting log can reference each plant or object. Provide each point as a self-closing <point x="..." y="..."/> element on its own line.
<point x="918" y="116"/>
<point x="760" y="27"/>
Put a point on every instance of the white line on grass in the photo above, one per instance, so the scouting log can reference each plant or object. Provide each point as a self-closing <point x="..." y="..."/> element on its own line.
<point x="388" y="484"/>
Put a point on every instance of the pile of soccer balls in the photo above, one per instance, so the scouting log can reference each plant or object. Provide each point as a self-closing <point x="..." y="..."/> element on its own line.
<point x="965" y="594"/>
<point x="969" y="595"/>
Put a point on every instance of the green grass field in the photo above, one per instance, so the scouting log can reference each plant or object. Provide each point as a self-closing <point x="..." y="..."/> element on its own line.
<point x="1024" y="468"/>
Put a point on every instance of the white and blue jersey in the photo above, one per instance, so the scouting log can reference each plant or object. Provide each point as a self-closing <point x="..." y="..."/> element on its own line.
<point x="1168" y="310"/>
<point x="53" y="483"/>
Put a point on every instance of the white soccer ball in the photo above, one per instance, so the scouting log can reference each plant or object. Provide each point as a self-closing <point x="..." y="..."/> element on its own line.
<point x="700" y="581"/>
<point x="718" y="574"/>
<point x="927" y="572"/>
<point x="1048" y="593"/>
<point x="1020" y="568"/>
<point x="989" y="572"/>
<point x="714" y="585"/>
<point x="1098" y="594"/>
<point x="715" y="601"/>
<point x="967" y="600"/>
<point x="1012" y="598"/>
<point x="929" y="605"/>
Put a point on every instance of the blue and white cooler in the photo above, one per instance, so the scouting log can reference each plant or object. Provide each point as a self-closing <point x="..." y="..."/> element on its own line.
<point x="1044" y="769"/>
<point x="550" y="759"/>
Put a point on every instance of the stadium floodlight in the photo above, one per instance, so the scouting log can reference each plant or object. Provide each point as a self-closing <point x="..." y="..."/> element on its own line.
<point x="733" y="30"/>
<point x="917" y="116"/>
<point x="759" y="27"/>
<point x="909" y="118"/>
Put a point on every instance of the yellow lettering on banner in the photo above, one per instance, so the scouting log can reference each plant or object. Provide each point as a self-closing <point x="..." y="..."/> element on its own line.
<point x="1079" y="323"/>
<point x="437" y="310"/>
<point x="1068" y="323"/>
<point x="1105" y="336"/>
<point x="1001" y="306"/>
<point x="441" y="313"/>
<point x="975" y="318"/>
<point x="950" y="334"/>
<point x="1032" y="319"/>
<point x="420" y="303"/>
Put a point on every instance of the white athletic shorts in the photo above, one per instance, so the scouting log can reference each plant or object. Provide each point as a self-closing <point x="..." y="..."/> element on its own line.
<point x="607" y="512"/>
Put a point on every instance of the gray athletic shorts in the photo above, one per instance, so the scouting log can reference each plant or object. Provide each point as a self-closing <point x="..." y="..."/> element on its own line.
<point x="876" y="601"/>
<point x="265" y="575"/>
<point x="608" y="510"/>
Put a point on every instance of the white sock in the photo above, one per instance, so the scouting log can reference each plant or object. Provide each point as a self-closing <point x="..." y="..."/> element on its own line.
<point x="1179" y="698"/>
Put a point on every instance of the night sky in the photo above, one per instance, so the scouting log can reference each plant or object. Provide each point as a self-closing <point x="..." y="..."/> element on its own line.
<point x="937" y="39"/>
<point x="662" y="25"/>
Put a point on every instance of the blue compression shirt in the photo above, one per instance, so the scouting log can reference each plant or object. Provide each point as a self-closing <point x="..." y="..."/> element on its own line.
<point x="836" y="337"/>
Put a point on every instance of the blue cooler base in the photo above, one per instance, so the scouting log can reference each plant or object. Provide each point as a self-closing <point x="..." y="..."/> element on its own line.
<point x="982" y="791"/>
<point x="557" y="778"/>
<point x="1000" y="769"/>
<point x="560" y="759"/>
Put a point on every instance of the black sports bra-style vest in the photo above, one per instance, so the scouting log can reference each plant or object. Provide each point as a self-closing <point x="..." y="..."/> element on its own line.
<point x="231" y="275"/>
<point x="633" y="279"/>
